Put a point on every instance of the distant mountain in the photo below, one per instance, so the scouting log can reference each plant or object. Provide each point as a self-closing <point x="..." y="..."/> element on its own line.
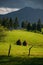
<point x="27" y="13"/>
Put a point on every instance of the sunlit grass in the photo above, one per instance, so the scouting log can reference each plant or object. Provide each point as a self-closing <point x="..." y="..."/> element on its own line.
<point x="30" y="37"/>
<point x="21" y="50"/>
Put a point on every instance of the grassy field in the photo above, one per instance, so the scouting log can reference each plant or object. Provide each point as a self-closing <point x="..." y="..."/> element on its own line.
<point x="19" y="54"/>
<point x="30" y="37"/>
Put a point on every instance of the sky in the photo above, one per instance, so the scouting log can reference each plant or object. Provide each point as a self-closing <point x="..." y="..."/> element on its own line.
<point x="7" y="6"/>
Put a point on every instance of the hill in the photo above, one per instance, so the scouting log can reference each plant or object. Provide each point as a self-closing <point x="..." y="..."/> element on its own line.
<point x="31" y="37"/>
<point x="19" y="54"/>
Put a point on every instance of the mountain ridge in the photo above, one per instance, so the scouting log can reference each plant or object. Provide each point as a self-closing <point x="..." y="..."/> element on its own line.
<point x="27" y="13"/>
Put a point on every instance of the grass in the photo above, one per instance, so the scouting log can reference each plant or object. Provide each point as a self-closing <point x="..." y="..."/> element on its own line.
<point x="30" y="37"/>
<point x="20" y="50"/>
<point x="19" y="54"/>
<point x="21" y="61"/>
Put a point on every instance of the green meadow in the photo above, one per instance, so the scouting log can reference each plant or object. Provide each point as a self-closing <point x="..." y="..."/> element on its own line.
<point x="19" y="54"/>
<point x="31" y="37"/>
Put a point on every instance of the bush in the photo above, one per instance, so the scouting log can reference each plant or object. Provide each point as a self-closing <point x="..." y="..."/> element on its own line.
<point x="18" y="42"/>
<point x="24" y="43"/>
<point x="42" y="32"/>
<point x="35" y="31"/>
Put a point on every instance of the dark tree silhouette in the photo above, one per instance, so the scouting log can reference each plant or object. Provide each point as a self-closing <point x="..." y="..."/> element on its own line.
<point x="29" y="26"/>
<point x="4" y="22"/>
<point x="39" y="25"/>
<point x="24" y="24"/>
<point x="34" y="26"/>
<point x="16" y="23"/>
<point x="0" y="21"/>
<point x="11" y="23"/>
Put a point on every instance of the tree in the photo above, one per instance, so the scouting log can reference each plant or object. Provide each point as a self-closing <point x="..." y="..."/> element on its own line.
<point x="29" y="26"/>
<point x="0" y="21"/>
<point x="42" y="25"/>
<point x="34" y="26"/>
<point x="16" y="23"/>
<point x="39" y="25"/>
<point x="5" y="22"/>
<point x="10" y="23"/>
<point x="24" y="24"/>
<point x="2" y="33"/>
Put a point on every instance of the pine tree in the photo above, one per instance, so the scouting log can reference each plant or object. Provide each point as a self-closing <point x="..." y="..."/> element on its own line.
<point x="0" y="21"/>
<point x="16" y="23"/>
<point x="10" y="23"/>
<point x="34" y="26"/>
<point x="29" y="26"/>
<point x="39" y="25"/>
<point x="4" y="22"/>
<point x="24" y="24"/>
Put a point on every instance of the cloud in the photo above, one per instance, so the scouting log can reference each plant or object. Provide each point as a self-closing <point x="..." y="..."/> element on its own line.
<point x="7" y="10"/>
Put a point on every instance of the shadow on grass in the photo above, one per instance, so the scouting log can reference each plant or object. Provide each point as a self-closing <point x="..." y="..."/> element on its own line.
<point x="5" y="60"/>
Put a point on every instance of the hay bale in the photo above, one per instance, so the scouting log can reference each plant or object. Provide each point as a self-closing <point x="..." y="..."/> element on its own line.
<point x="18" y="42"/>
<point x="24" y="43"/>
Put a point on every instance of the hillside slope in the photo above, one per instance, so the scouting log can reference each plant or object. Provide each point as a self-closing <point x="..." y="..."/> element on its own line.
<point x="26" y="13"/>
<point x="31" y="37"/>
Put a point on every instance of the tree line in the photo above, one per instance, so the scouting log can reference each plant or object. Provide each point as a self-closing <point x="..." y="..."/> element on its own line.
<point x="9" y="22"/>
<point x="33" y="27"/>
<point x="14" y="24"/>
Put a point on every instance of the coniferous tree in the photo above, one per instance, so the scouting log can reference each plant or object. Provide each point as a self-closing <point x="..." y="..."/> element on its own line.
<point x="24" y="24"/>
<point x="10" y="23"/>
<point x="29" y="26"/>
<point x="7" y="23"/>
<point x="34" y="27"/>
<point x="0" y="21"/>
<point x="16" y="23"/>
<point x="4" y="22"/>
<point x="39" y="25"/>
<point x="42" y="25"/>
